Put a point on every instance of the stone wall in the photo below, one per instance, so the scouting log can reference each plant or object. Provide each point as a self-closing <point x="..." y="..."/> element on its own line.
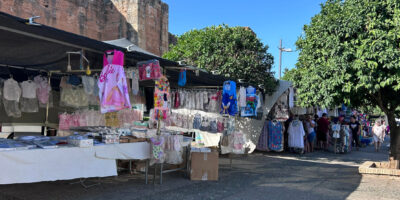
<point x="144" y="22"/>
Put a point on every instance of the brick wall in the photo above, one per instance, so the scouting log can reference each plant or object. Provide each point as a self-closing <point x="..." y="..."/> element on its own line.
<point x="144" y="22"/>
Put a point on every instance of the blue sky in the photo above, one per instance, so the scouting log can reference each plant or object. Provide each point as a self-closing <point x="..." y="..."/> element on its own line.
<point x="271" y="20"/>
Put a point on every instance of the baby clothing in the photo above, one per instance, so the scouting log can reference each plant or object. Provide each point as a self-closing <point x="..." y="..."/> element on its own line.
<point x="113" y="89"/>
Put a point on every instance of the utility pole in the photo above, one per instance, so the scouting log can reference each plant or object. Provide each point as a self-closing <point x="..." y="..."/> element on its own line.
<point x="281" y="49"/>
<point x="280" y="58"/>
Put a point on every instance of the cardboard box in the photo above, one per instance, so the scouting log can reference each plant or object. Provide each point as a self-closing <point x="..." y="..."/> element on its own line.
<point x="204" y="166"/>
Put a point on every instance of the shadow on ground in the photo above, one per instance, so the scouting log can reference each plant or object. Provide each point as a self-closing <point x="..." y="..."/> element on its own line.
<point x="252" y="177"/>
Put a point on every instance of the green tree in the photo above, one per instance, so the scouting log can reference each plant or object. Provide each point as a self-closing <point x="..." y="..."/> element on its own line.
<point x="350" y="53"/>
<point x="234" y="52"/>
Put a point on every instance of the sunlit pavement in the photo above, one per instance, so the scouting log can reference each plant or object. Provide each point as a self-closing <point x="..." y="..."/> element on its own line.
<point x="319" y="175"/>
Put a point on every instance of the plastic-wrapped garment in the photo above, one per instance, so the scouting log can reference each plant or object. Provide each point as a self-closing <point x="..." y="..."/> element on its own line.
<point x="12" y="108"/>
<point x="237" y="142"/>
<point x="112" y="119"/>
<point x="63" y="123"/>
<point x="113" y="89"/>
<point x="49" y="100"/>
<point x="133" y="74"/>
<point x="251" y="103"/>
<point x="29" y="89"/>
<point x="214" y="105"/>
<point x="89" y="85"/>
<point x="242" y="97"/>
<point x="43" y="90"/>
<point x="149" y="70"/>
<point x="173" y="149"/>
<point x="29" y="105"/>
<point x="73" y="97"/>
<point x="205" y="125"/>
<point x="182" y="78"/>
<point x="197" y="121"/>
<point x="231" y="126"/>
<point x="220" y="125"/>
<point x="213" y="126"/>
<point x="229" y="99"/>
<point x="162" y="98"/>
<point x="11" y="90"/>
<point x="157" y="150"/>
<point x="1" y="88"/>
<point x="177" y="100"/>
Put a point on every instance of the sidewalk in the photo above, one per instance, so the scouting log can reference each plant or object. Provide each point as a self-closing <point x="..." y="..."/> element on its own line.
<point x="319" y="175"/>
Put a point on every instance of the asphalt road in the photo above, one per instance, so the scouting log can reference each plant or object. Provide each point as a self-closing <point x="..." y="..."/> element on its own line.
<point x="319" y="175"/>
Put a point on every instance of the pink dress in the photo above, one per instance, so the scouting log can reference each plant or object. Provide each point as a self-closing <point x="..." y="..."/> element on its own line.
<point x="113" y="89"/>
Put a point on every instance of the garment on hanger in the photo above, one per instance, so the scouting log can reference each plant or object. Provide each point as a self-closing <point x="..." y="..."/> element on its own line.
<point x="242" y="97"/>
<point x="28" y="101"/>
<point x="161" y="98"/>
<point x="251" y="103"/>
<point x="113" y="89"/>
<point x="229" y="98"/>
<point x="182" y="78"/>
<point x="29" y="89"/>
<point x="149" y="70"/>
<point x="89" y="85"/>
<point x="11" y="90"/>
<point x="132" y="73"/>
<point x="296" y="134"/>
<point x="262" y="144"/>
<point x="43" y="89"/>
<point x="275" y="136"/>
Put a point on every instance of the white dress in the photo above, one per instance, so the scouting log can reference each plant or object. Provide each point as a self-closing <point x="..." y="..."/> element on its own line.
<point x="296" y="134"/>
<point x="378" y="133"/>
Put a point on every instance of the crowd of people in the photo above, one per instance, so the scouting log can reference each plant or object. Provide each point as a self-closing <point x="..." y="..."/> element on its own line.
<point x="319" y="130"/>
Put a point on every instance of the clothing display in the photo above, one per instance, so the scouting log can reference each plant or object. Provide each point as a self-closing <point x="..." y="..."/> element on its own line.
<point x="262" y="144"/>
<point x="113" y="89"/>
<point x="157" y="150"/>
<point x="271" y="137"/>
<point x="73" y="96"/>
<point x="29" y="89"/>
<point x="161" y="98"/>
<point x="43" y="89"/>
<point x="149" y="70"/>
<point x="132" y="73"/>
<point x="250" y="108"/>
<point x="229" y="99"/>
<point x="29" y="101"/>
<point x="296" y="134"/>
<point x="242" y="97"/>
<point x="182" y="78"/>
<point x="11" y="90"/>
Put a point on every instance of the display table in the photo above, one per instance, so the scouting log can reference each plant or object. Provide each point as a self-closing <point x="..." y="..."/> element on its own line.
<point x="65" y="163"/>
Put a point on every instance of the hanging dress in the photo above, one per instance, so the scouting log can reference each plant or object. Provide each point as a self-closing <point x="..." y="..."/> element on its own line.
<point x="113" y="89"/>
<point x="296" y="134"/>
<point x="275" y="136"/>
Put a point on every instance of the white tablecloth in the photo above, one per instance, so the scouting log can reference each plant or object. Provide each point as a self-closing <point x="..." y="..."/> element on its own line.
<point x="124" y="151"/>
<point x="36" y="165"/>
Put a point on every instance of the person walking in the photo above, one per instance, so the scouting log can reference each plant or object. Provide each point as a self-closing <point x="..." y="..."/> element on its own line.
<point x="310" y="125"/>
<point x="355" y="128"/>
<point x="378" y="131"/>
<point x="322" y="131"/>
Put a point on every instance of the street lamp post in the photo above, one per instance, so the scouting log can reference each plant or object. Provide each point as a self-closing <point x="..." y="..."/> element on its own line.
<point x="281" y="49"/>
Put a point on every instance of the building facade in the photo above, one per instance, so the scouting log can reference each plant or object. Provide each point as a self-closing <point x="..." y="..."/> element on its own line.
<point x="144" y="22"/>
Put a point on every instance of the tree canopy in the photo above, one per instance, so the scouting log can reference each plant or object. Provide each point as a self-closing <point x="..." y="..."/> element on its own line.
<point x="350" y="53"/>
<point x="235" y="52"/>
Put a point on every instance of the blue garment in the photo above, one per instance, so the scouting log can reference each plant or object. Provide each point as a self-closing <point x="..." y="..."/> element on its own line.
<point x="229" y="99"/>
<point x="182" y="78"/>
<point x="74" y="80"/>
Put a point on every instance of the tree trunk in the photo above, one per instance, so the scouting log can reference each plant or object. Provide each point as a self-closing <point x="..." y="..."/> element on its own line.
<point x="394" y="137"/>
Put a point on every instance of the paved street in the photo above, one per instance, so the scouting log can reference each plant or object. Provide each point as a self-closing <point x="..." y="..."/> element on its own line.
<point x="320" y="175"/>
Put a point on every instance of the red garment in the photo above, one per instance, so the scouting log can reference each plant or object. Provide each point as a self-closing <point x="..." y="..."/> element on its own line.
<point x="323" y="125"/>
